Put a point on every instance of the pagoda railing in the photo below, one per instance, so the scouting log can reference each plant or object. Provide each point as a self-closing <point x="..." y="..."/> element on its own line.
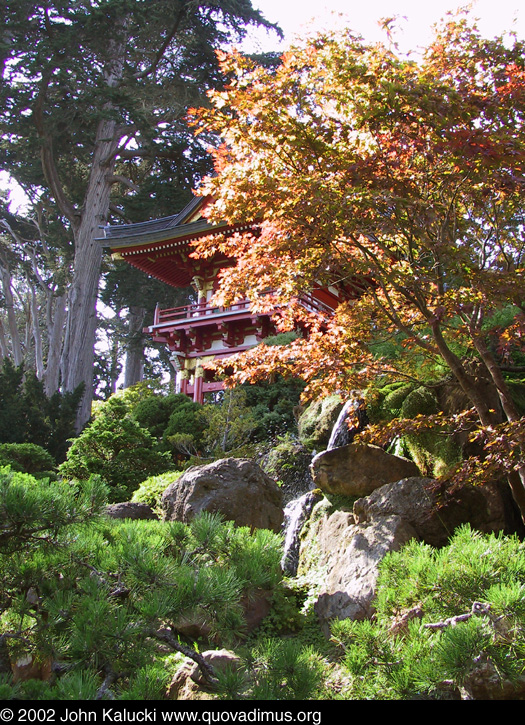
<point x="173" y="315"/>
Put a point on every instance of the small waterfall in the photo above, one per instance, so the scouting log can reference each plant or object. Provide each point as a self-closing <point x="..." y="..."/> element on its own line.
<point x="295" y="515"/>
<point x="342" y="434"/>
<point x="297" y="511"/>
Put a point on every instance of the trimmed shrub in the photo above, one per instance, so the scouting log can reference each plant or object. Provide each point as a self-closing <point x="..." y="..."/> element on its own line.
<point x="117" y="449"/>
<point x="26" y="457"/>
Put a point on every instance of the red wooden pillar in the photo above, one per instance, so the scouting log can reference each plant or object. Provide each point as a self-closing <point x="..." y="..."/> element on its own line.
<point x="198" y="385"/>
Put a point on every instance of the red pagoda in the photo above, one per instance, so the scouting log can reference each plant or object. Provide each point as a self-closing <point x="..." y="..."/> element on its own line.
<point x="196" y="333"/>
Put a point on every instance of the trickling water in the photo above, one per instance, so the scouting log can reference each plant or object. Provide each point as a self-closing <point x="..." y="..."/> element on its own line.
<point x="298" y="510"/>
<point x="342" y="434"/>
<point x="295" y="515"/>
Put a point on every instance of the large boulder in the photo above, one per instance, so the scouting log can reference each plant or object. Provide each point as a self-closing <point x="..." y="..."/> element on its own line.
<point x="130" y="510"/>
<point x="350" y="585"/>
<point x="237" y="488"/>
<point x="339" y="559"/>
<point x="433" y="515"/>
<point x="358" y="469"/>
<point x="340" y="549"/>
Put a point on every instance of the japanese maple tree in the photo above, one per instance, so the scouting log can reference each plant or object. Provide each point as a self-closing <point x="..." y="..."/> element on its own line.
<point x="399" y="179"/>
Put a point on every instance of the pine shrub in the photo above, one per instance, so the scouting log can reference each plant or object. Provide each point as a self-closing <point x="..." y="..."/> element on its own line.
<point x="97" y="596"/>
<point x="477" y="579"/>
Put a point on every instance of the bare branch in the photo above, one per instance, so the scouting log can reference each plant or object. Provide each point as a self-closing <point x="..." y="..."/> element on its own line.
<point x="119" y="179"/>
<point x="47" y="156"/>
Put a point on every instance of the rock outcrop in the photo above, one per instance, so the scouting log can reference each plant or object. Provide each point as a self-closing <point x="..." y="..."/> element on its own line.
<point x="341" y="549"/>
<point x="289" y="463"/>
<point x="316" y="423"/>
<point x="432" y="516"/>
<point x="237" y="488"/>
<point x="130" y="510"/>
<point x="341" y="557"/>
<point x="358" y="469"/>
<point x="188" y="683"/>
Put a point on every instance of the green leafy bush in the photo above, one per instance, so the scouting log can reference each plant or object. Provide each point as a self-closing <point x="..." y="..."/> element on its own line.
<point x="151" y="490"/>
<point x="26" y="457"/>
<point x="116" y="448"/>
<point x="168" y="414"/>
<point x="441" y="615"/>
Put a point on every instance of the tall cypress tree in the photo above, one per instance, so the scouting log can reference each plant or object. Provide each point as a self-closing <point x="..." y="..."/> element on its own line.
<point x="89" y="90"/>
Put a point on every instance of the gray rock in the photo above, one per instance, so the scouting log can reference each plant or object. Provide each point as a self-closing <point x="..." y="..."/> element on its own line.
<point x="339" y="558"/>
<point x="433" y="516"/>
<point x="350" y="583"/>
<point x="130" y="510"/>
<point x="237" y="488"/>
<point x="358" y="469"/>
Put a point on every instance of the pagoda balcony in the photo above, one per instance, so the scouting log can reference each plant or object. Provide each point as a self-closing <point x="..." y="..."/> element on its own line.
<point x="200" y="314"/>
<point x="200" y="329"/>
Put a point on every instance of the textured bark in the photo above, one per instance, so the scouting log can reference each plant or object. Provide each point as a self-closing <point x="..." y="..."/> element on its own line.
<point x="134" y="369"/>
<point x="81" y="323"/>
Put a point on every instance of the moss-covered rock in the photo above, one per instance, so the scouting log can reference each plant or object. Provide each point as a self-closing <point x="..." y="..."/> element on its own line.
<point x="288" y="463"/>
<point x="317" y="421"/>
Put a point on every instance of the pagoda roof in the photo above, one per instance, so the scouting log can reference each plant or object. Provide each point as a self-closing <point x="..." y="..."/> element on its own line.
<point x="186" y="222"/>
<point x="160" y="247"/>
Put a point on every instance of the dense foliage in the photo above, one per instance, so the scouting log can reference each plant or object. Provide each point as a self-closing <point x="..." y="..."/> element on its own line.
<point x="115" y="447"/>
<point x="28" y="415"/>
<point x="399" y="180"/>
<point x="89" y="599"/>
<point x="445" y="620"/>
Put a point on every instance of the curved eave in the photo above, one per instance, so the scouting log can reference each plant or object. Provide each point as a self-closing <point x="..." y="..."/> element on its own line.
<point x="146" y="242"/>
<point x="165" y="255"/>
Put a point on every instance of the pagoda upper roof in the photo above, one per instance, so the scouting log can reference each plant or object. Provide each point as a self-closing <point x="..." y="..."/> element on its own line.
<point x="187" y="222"/>
<point x="160" y="247"/>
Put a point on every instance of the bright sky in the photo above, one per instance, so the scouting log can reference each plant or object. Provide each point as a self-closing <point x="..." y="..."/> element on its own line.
<point x="416" y="17"/>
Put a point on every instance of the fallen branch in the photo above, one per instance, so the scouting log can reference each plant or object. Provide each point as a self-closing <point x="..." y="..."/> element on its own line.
<point x="207" y="670"/>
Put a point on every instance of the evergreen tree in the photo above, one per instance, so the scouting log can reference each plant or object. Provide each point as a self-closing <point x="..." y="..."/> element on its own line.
<point x="93" y="598"/>
<point x="90" y="88"/>
<point x="27" y="415"/>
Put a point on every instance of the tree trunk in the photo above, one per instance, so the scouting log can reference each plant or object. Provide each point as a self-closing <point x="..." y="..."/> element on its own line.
<point x="4" y="350"/>
<point x="516" y="478"/>
<point x="134" y="366"/>
<point x="81" y="322"/>
<point x="467" y="382"/>
<point x="56" y="318"/>
<point x="37" y="335"/>
<point x="16" y="345"/>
